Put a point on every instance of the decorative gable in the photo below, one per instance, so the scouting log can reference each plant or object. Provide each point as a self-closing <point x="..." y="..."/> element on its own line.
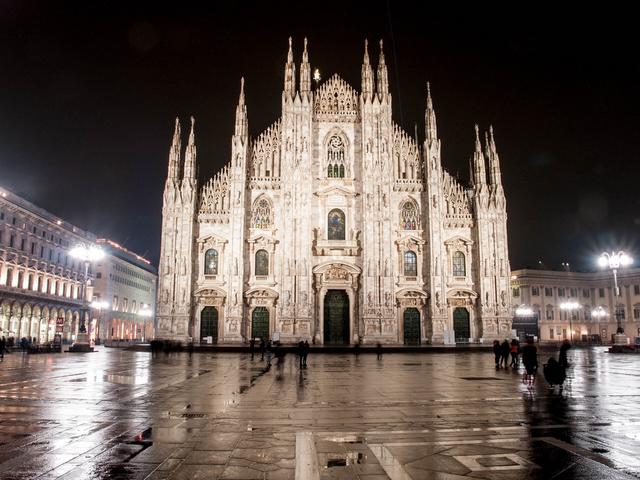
<point x="336" y="101"/>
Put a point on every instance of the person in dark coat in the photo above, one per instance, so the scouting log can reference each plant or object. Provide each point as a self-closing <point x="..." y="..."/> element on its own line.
<point x="3" y="344"/>
<point x="497" y="352"/>
<point x="300" y="353"/>
<point x="263" y="348"/>
<point x="252" y="347"/>
<point x="562" y="358"/>
<point x="305" y="353"/>
<point x="379" y="350"/>
<point x="530" y="360"/>
<point x="505" y="349"/>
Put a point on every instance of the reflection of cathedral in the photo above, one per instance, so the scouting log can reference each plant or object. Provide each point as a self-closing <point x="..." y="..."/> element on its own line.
<point x="334" y="224"/>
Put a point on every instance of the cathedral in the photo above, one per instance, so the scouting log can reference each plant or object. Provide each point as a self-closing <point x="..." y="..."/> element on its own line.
<point x="335" y="226"/>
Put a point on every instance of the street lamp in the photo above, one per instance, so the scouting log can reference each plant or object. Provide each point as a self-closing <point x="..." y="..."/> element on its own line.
<point x="87" y="254"/>
<point x="614" y="261"/>
<point x="99" y="305"/>
<point x="599" y="314"/>
<point x="570" y="307"/>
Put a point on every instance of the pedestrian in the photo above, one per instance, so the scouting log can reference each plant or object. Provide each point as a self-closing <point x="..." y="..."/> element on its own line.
<point x="190" y="348"/>
<point x="300" y="353"/>
<point x="505" y="349"/>
<point x="530" y="361"/>
<point x="515" y="349"/>
<point x="379" y="350"/>
<point x="562" y="358"/>
<point x="305" y="353"/>
<point x="3" y="344"/>
<point x="497" y="352"/>
<point x="356" y="349"/>
<point x="269" y="351"/>
<point x="263" y="348"/>
<point x="252" y="346"/>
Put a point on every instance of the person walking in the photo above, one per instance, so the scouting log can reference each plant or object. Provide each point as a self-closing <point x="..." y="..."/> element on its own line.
<point x="305" y="353"/>
<point x="263" y="348"/>
<point x="300" y="353"/>
<point x="252" y="346"/>
<point x="379" y="350"/>
<point x="515" y="349"/>
<point x="3" y="344"/>
<point x="530" y="361"/>
<point x="562" y="358"/>
<point x="497" y="352"/>
<point x="504" y="350"/>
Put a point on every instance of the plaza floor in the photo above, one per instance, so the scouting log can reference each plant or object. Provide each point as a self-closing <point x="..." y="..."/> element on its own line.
<point x="118" y="414"/>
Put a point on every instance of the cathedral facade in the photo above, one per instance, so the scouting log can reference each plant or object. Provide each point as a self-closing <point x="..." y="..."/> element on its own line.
<point x="336" y="226"/>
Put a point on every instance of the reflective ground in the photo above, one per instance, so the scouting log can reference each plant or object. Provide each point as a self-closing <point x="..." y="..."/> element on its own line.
<point x="125" y="415"/>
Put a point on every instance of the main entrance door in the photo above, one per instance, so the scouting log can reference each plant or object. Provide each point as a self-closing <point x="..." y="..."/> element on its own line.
<point x="411" y="326"/>
<point x="461" y="326"/>
<point x="209" y="324"/>
<point x="260" y="323"/>
<point x="336" y="317"/>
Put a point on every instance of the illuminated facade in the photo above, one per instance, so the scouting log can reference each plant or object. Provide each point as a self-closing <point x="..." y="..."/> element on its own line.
<point x="334" y="225"/>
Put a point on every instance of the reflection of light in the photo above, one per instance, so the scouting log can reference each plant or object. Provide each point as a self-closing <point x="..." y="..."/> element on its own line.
<point x="100" y="304"/>
<point x="87" y="254"/>
<point x="599" y="312"/>
<point x="569" y="305"/>
<point x="524" y="311"/>
<point x="145" y="312"/>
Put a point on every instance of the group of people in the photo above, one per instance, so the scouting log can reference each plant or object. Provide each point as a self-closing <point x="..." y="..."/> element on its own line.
<point x="268" y="349"/>
<point x="554" y="371"/>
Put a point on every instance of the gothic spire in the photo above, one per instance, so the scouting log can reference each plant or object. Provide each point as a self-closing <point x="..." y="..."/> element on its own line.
<point x="367" y="74"/>
<point x="495" y="176"/>
<point x="241" y="113"/>
<point x="190" y="154"/>
<point x="431" y="130"/>
<point x="305" y="71"/>
<point x="383" y="77"/>
<point x="480" y="175"/>
<point x="174" y="153"/>
<point x="290" y="73"/>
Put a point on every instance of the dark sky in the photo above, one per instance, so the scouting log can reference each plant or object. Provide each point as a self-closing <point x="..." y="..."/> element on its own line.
<point x="88" y="100"/>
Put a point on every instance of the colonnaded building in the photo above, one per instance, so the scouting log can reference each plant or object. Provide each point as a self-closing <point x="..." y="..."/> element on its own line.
<point x="334" y="225"/>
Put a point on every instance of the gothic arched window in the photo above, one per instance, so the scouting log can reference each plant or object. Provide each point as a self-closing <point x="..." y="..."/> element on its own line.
<point x="335" y="157"/>
<point x="410" y="264"/>
<point x="459" y="267"/>
<point x="409" y="216"/>
<point x="211" y="262"/>
<point x="261" y="214"/>
<point x="262" y="263"/>
<point x="335" y="225"/>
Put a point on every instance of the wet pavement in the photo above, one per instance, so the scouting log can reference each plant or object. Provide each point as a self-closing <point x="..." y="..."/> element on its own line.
<point x="119" y="414"/>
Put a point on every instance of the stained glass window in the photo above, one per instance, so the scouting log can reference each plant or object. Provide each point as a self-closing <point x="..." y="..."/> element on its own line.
<point x="262" y="214"/>
<point x="409" y="216"/>
<point x="262" y="263"/>
<point x="410" y="264"/>
<point x="211" y="262"/>
<point x="459" y="268"/>
<point x="335" y="157"/>
<point x="335" y="224"/>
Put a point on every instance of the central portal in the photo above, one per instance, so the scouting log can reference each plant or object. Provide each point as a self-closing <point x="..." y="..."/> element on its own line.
<point x="336" y="318"/>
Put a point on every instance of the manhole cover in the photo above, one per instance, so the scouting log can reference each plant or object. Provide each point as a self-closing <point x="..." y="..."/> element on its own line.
<point x="193" y="415"/>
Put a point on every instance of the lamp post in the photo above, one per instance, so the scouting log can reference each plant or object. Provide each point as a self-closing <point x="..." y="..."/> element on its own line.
<point x="570" y="307"/>
<point x="614" y="261"/>
<point x="86" y="254"/>
<point x="99" y="305"/>
<point x="599" y="313"/>
<point x="145" y="313"/>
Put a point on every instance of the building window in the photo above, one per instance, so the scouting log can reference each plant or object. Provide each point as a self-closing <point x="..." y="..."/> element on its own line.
<point x="585" y="292"/>
<point x="459" y="268"/>
<point x="636" y="312"/>
<point x="262" y="263"/>
<point x="262" y="214"/>
<point x="22" y="244"/>
<point x="211" y="262"/>
<point x="410" y="264"/>
<point x="515" y="291"/>
<point x="636" y="289"/>
<point x="573" y="292"/>
<point x="9" y="280"/>
<point x="12" y="240"/>
<point x="41" y="252"/>
<point x="551" y="334"/>
<point x="549" y="313"/>
<point x="548" y="292"/>
<point x="620" y="314"/>
<point x="535" y="291"/>
<point x="409" y="216"/>
<point x="601" y="292"/>
<point x="336" y="225"/>
<point x="587" y="313"/>
<point x="335" y="157"/>
<point x="561" y="292"/>
<point x="99" y="275"/>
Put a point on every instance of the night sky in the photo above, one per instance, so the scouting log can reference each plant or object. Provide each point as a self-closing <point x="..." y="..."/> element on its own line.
<point x="88" y="101"/>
